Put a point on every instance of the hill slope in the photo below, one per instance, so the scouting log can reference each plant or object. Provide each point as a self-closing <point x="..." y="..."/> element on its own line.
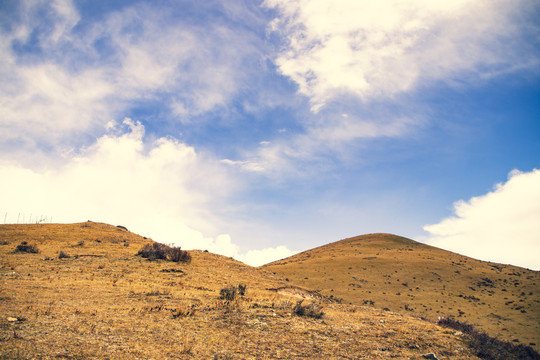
<point x="103" y="301"/>
<point x="405" y="276"/>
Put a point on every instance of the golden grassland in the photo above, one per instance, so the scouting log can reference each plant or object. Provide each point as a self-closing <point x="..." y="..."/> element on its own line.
<point x="103" y="301"/>
<point x="405" y="276"/>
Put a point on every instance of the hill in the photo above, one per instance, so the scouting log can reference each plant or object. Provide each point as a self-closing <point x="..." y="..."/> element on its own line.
<point x="79" y="291"/>
<point x="402" y="275"/>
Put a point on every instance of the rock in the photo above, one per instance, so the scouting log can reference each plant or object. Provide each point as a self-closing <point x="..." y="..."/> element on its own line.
<point x="430" y="356"/>
<point x="15" y="319"/>
<point x="458" y="333"/>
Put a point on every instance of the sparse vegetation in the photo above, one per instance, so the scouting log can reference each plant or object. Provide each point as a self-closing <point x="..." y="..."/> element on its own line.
<point x="312" y="310"/>
<point x="24" y="247"/>
<point x="421" y="281"/>
<point x="161" y="310"/>
<point x="183" y="312"/>
<point x="229" y="293"/>
<point x="487" y="347"/>
<point x="242" y="289"/>
<point x="157" y="251"/>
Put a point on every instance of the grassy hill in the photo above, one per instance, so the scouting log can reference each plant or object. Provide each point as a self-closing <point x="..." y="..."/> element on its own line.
<point x="80" y="291"/>
<point x="399" y="274"/>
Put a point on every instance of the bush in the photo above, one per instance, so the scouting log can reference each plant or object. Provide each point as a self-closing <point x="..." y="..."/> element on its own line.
<point x="25" y="248"/>
<point x="228" y="293"/>
<point x="242" y="289"/>
<point x="177" y="255"/>
<point x="157" y="251"/>
<point x="312" y="310"/>
<point x="487" y="347"/>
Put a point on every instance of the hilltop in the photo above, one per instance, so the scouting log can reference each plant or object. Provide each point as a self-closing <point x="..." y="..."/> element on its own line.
<point x="401" y="275"/>
<point x="100" y="300"/>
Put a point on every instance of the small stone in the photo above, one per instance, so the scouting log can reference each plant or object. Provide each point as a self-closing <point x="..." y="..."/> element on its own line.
<point x="430" y="356"/>
<point x="458" y="333"/>
<point x="12" y="319"/>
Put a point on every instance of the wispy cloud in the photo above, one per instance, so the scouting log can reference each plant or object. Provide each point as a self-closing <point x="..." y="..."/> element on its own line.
<point x="384" y="48"/>
<point x="500" y="226"/>
<point x="328" y="138"/>
<point x="361" y="65"/>
<point x="66" y="77"/>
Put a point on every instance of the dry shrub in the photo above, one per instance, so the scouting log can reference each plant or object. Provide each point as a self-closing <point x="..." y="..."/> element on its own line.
<point x="312" y="310"/>
<point x="242" y="289"/>
<point x="156" y="251"/>
<point x="63" y="255"/>
<point x="228" y="293"/>
<point x="487" y="347"/>
<point x="183" y="311"/>
<point x="25" y="248"/>
<point x="177" y="255"/>
<point x="187" y="344"/>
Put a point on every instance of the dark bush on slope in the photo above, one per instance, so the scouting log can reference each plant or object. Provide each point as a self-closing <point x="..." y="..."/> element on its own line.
<point x="157" y="251"/>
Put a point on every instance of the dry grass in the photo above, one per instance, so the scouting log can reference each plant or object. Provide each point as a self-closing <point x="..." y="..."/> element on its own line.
<point x="398" y="274"/>
<point x="487" y="347"/>
<point x="105" y="302"/>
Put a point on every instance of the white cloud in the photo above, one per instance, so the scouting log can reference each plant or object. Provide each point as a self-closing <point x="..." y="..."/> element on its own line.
<point x="164" y="190"/>
<point x="67" y="18"/>
<point x="501" y="226"/>
<point x="121" y="179"/>
<point x="324" y="141"/>
<point x="384" y="48"/>
<point x="265" y="256"/>
<point x="350" y="57"/>
<point x="77" y="79"/>
<point x="50" y="103"/>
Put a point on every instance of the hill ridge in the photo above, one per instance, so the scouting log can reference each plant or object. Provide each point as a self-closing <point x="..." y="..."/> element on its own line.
<point x="85" y="294"/>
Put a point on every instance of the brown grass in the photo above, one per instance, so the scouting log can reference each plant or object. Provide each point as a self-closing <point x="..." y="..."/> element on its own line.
<point x="105" y="302"/>
<point x="390" y="272"/>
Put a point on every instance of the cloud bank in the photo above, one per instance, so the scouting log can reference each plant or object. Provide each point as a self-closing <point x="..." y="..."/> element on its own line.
<point x="164" y="190"/>
<point x="500" y="226"/>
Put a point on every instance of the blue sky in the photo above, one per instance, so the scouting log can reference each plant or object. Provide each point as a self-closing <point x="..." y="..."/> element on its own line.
<point x="257" y="129"/>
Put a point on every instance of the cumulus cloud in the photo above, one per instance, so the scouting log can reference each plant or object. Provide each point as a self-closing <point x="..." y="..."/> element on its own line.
<point x="164" y="190"/>
<point x="265" y="256"/>
<point x="500" y="226"/>
<point x="384" y="48"/>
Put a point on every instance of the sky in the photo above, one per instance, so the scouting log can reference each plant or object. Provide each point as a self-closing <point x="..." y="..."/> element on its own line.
<point x="260" y="128"/>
